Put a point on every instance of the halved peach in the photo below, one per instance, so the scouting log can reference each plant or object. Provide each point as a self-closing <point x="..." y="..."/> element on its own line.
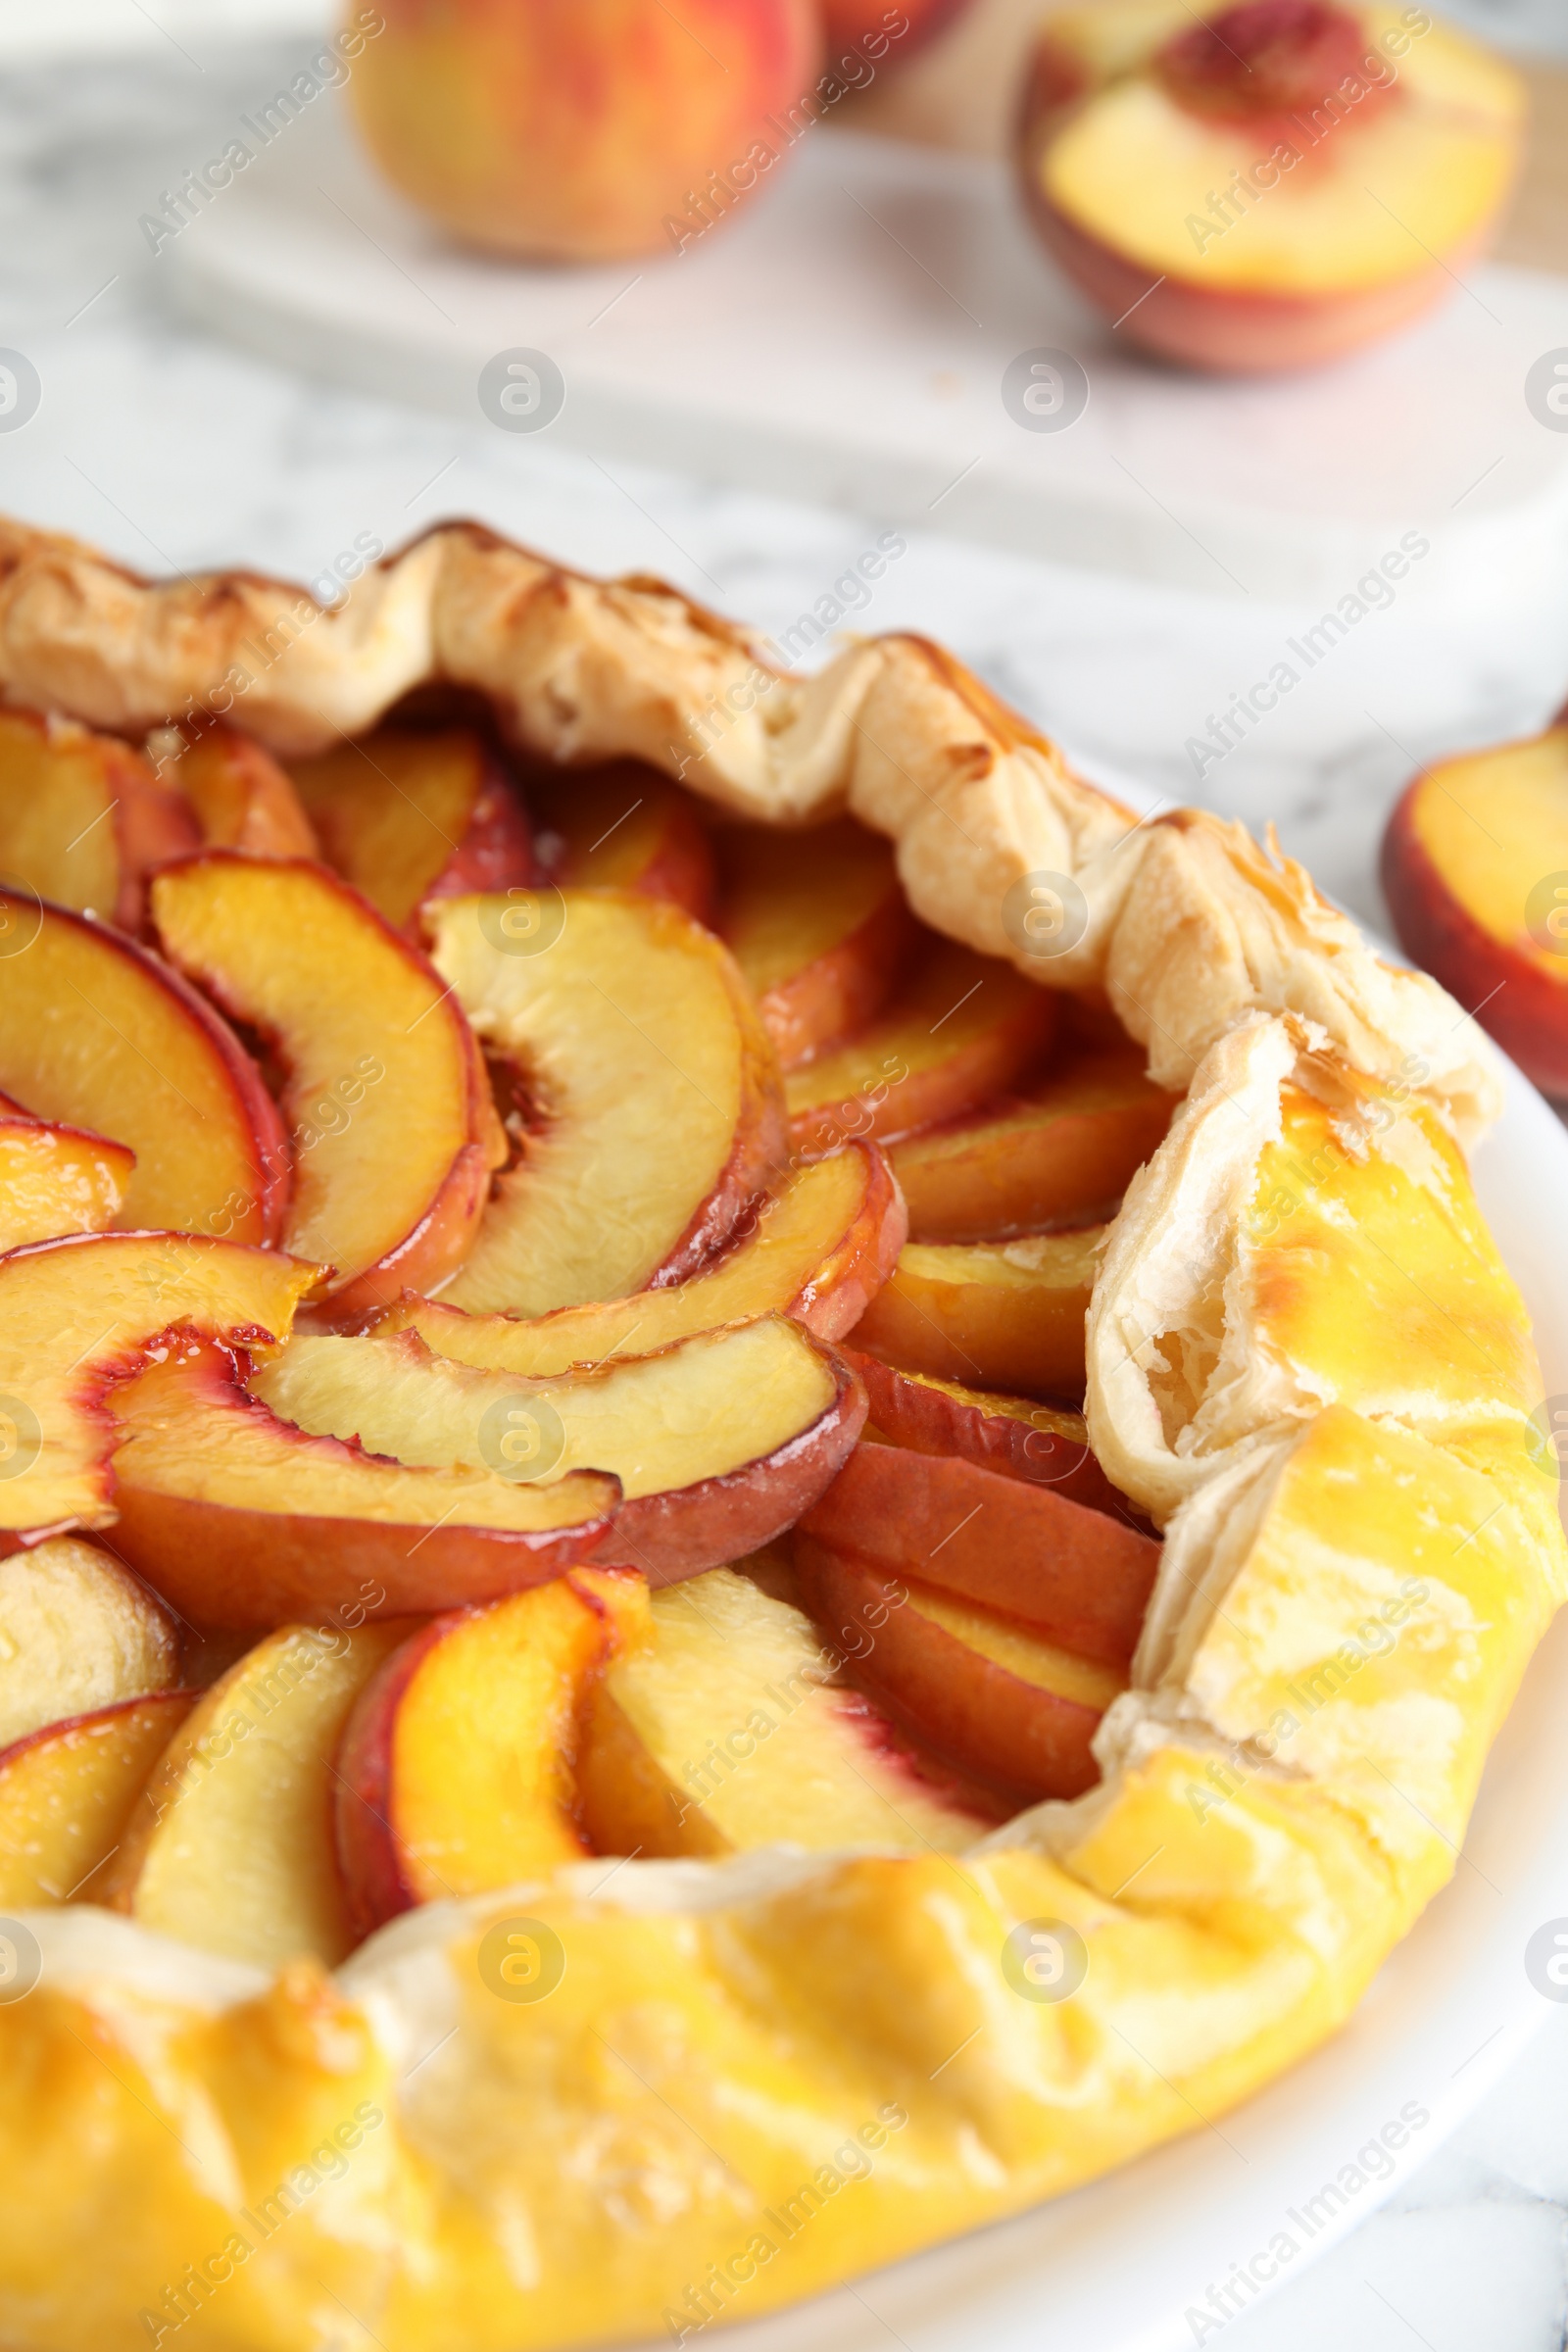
<point x="411" y="813"/>
<point x="240" y="797"/>
<point x="229" y="1844"/>
<point x="818" y="1250"/>
<point x="243" y="1521"/>
<point x="986" y="1690"/>
<point x="383" y="1090"/>
<point x="995" y="1314"/>
<point x="1270" y="184"/>
<point x="67" y="1791"/>
<point x="657" y="1093"/>
<point x="961" y="1028"/>
<point x="83" y="818"/>
<point x="1062" y="1150"/>
<point x="56" y="1180"/>
<point x="96" y="1033"/>
<point x="1046" y="1445"/>
<point x="80" y="1313"/>
<point x="1474" y="871"/>
<point x="728" y="1730"/>
<point x="623" y="826"/>
<point x="456" y="1774"/>
<point x="819" y="925"/>
<point x="77" y="1633"/>
<point x="1077" y="1577"/>
<point x="719" y="1442"/>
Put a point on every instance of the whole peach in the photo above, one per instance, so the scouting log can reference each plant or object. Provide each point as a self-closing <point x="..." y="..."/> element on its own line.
<point x="584" y="129"/>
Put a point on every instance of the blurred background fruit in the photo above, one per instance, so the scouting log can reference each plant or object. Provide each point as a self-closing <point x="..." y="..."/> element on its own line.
<point x="854" y="22"/>
<point x="1270" y="186"/>
<point x="1474" y="871"/>
<point x="570" y="129"/>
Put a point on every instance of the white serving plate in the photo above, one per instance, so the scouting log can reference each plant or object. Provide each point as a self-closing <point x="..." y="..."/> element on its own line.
<point x="1115" y="2267"/>
<point x="846" y="340"/>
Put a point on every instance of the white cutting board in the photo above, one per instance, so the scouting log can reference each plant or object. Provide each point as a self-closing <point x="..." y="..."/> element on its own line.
<point x="846" y="340"/>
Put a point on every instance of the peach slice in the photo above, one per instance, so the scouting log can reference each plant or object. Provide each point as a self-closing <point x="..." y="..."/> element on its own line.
<point x="963" y="1027"/>
<point x="1271" y="186"/>
<point x="1474" y="871"/>
<point x="229" y="1845"/>
<point x="624" y="826"/>
<point x="656" y="1085"/>
<point x="83" y="818"/>
<point x="77" y="1633"/>
<point x="77" y="1315"/>
<point x="719" y="1442"/>
<point x="985" y="1691"/>
<point x="1062" y="1151"/>
<point x="726" y="1730"/>
<point x="240" y="797"/>
<point x="1046" y="1445"/>
<point x="997" y="1315"/>
<point x="384" y="1092"/>
<point x="241" y="1520"/>
<point x="821" y="927"/>
<point x="66" y="1792"/>
<point x="409" y="814"/>
<point x="456" y="1770"/>
<point x="96" y="1033"/>
<point x="818" y="1250"/>
<point x="1076" y="1577"/>
<point x="56" y="1180"/>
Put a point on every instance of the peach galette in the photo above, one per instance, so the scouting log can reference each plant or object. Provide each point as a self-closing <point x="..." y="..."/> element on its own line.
<point x="693" y="1473"/>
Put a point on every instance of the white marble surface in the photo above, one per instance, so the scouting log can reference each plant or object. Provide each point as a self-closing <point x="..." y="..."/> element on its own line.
<point x="172" y="452"/>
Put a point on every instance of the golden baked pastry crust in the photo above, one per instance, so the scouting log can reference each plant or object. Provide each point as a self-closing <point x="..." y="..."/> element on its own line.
<point x="758" y="2077"/>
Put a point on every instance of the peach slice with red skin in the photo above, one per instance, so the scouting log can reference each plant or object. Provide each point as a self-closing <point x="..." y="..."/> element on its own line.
<point x="819" y="926"/>
<point x="719" y="1441"/>
<point x="229" y="1844"/>
<point x="1474" y="871"/>
<point x="657" y="1091"/>
<point x="1272" y="187"/>
<point x="67" y="1791"/>
<point x="240" y="797"/>
<point x="241" y="1520"/>
<point x="983" y="1690"/>
<point x="961" y="1027"/>
<point x="383" y="1088"/>
<point x="56" y="1180"/>
<point x="411" y="814"/>
<point x="723" y="1728"/>
<point x="623" y="826"/>
<point x="1061" y="1152"/>
<point x="455" y="1771"/>
<point x="818" y="1250"/>
<point x="79" y="1314"/>
<point x="1077" y="1577"/>
<point x="83" y="818"/>
<point x="96" y="1033"/>
<point x="1044" y="1445"/>
<point x="996" y="1314"/>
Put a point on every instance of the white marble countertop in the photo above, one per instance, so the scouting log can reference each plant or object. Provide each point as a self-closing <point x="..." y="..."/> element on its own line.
<point x="171" y="451"/>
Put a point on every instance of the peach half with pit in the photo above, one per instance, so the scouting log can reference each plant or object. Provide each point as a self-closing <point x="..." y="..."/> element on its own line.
<point x="1266" y="186"/>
